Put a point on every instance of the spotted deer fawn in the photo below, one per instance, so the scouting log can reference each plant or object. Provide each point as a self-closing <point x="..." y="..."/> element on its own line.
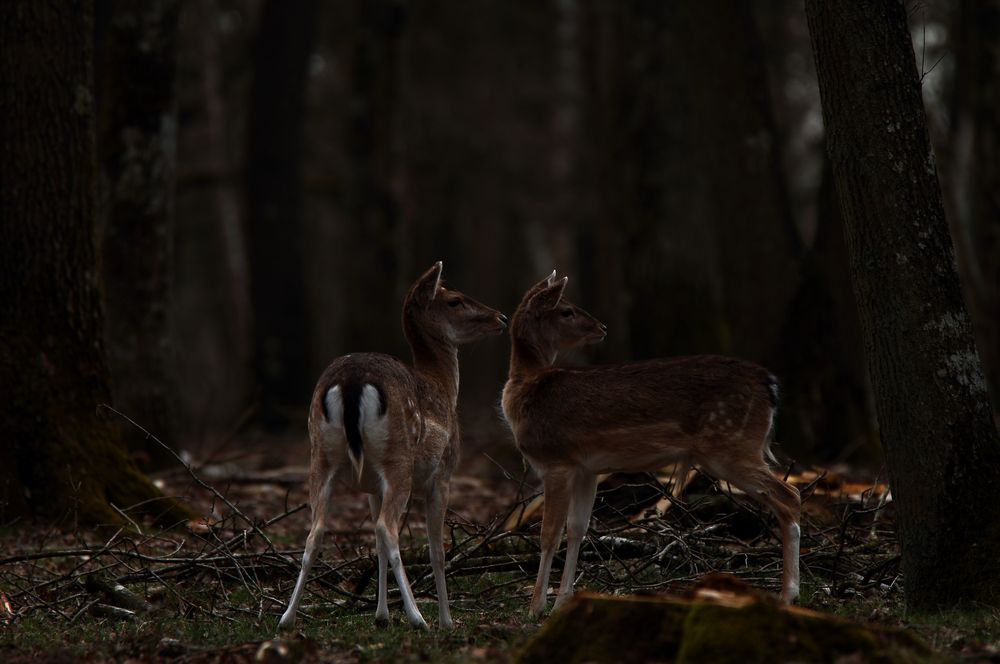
<point x="573" y="423"/>
<point x="395" y="428"/>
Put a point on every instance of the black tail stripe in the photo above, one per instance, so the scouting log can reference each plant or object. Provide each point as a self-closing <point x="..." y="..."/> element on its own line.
<point x="352" y="391"/>
<point x="352" y="416"/>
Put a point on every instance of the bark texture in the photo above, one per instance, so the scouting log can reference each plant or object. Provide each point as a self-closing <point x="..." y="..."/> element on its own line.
<point x="941" y="446"/>
<point x="136" y="140"/>
<point x="274" y="204"/>
<point x="63" y="458"/>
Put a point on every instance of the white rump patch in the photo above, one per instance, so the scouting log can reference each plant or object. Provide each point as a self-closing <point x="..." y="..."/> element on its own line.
<point x="334" y="405"/>
<point x="374" y="427"/>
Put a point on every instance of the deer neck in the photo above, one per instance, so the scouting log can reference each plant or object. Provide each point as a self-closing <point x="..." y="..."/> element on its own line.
<point x="436" y="360"/>
<point x="528" y="358"/>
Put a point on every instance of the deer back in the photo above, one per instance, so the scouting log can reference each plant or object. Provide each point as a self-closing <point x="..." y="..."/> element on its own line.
<point x="628" y="416"/>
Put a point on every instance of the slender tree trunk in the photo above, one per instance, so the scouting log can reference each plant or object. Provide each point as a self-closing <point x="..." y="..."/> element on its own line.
<point x="274" y="204"/>
<point x="737" y="153"/>
<point x="639" y="116"/>
<point x="210" y="310"/>
<point x="63" y="457"/>
<point x="941" y="446"/>
<point x="373" y="199"/>
<point x="976" y="173"/>
<point x="137" y="140"/>
<point x="826" y="394"/>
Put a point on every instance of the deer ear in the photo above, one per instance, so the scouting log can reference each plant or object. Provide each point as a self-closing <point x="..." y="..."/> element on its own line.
<point x="534" y="290"/>
<point x="548" y="297"/>
<point x="429" y="283"/>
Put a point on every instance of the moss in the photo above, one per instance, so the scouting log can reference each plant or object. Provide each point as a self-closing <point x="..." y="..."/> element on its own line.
<point x="84" y="469"/>
<point x="596" y="628"/>
<point x="591" y="629"/>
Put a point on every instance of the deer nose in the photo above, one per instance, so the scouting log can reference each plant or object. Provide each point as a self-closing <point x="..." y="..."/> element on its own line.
<point x="503" y="319"/>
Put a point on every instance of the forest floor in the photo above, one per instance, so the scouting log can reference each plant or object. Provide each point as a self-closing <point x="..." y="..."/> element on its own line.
<point x="211" y="590"/>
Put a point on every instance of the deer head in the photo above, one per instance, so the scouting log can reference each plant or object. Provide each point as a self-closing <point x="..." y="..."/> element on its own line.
<point x="547" y="322"/>
<point x="433" y="310"/>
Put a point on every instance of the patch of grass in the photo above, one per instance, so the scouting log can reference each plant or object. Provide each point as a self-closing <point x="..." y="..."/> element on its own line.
<point x="969" y="630"/>
<point x="485" y="629"/>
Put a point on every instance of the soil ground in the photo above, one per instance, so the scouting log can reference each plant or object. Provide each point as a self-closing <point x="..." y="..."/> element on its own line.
<point x="211" y="590"/>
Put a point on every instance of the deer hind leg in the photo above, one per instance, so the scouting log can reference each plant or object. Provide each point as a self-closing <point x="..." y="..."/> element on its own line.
<point x="382" y="610"/>
<point x="320" y="504"/>
<point x="394" y="498"/>
<point x="583" y="491"/>
<point x="782" y="499"/>
<point x="557" y="487"/>
<point x="437" y="505"/>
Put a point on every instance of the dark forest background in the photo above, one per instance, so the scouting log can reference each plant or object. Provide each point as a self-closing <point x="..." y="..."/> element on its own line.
<point x="668" y="157"/>
<point x="268" y="177"/>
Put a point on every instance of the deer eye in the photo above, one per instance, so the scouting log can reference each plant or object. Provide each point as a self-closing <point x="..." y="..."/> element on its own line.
<point x="567" y="313"/>
<point x="454" y="303"/>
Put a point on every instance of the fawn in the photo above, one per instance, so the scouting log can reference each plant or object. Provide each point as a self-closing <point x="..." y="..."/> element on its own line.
<point x="573" y="423"/>
<point x="396" y="427"/>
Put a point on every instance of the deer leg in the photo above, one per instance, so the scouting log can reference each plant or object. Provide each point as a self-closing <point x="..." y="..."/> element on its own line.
<point x="782" y="499"/>
<point x="382" y="610"/>
<point x="387" y="532"/>
<point x="320" y="507"/>
<point x="785" y="502"/>
<point x="437" y="505"/>
<point x="557" y="491"/>
<point x="581" y="504"/>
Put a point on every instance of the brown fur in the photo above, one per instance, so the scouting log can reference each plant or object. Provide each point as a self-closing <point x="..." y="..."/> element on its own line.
<point x="573" y="423"/>
<point x="420" y="446"/>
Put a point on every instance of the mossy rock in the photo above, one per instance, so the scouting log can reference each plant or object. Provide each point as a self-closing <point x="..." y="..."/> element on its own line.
<point x="729" y="628"/>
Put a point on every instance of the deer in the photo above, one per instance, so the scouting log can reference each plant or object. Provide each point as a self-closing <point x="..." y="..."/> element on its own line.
<point x="389" y="429"/>
<point x="571" y="424"/>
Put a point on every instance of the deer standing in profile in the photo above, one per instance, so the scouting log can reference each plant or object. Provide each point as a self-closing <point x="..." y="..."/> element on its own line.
<point x="573" y="423"/>
<point x="395" y="428"/>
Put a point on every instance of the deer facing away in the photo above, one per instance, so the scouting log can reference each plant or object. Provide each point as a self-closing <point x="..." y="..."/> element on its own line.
<point x="395" y="428"/>
<point x="573" y="423"/>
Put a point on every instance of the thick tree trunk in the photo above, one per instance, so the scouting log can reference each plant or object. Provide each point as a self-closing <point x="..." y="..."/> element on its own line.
<point x="137" y="140"/>
<point x="941" y="446"/>
<point x="67" y="460"/>
<point x="274" y="205"/>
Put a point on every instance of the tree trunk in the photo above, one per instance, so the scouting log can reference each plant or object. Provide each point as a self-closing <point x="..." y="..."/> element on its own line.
<point x="274" y="205"/>
<point x="639" y="115"/>
<point x="137" y="140"/>
<point x="941" y="446"/>
<point x="976" y="172"/>
<point x="373" y="198"/>
<point x="64" y="459"/>
<point x="737" y="153"/>
<point x="826" y="394"/>
<point x="210" y="311"/>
